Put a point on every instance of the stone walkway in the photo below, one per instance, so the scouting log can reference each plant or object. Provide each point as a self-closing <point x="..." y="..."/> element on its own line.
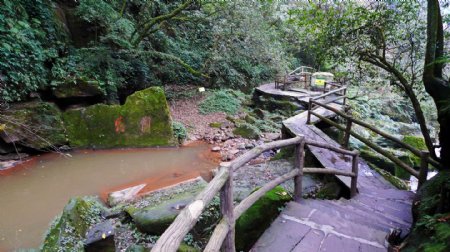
<point x="358" y="224"/>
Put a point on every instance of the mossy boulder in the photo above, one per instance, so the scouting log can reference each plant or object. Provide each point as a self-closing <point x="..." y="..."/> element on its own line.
<point x="247" y="131"/>
<point x="155" y="219"/>
<point x="431" y="211"/>
<point x="415" y="141"/>
<point x="36" y="125"/>
<point x="143" y="121"/>
<point x="258" y="217"/>
<point x="68" y="231"/>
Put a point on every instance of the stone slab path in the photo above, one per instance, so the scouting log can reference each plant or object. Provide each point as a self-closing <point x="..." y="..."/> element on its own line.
<point x="358" y="224"/>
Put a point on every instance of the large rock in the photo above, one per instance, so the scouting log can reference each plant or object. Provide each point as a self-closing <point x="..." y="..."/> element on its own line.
<point x="68" y="231"/>
<point x="100" y="238"/>
<point x="144" y="120"/>
<point x="156" y="211"/>
<point x="36" y="125"/>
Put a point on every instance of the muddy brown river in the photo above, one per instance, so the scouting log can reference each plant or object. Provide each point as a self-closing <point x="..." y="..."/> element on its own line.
<point x="35" y="192"/>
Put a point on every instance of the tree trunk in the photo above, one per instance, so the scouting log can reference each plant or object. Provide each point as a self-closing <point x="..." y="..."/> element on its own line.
<point x="435" y="85"/>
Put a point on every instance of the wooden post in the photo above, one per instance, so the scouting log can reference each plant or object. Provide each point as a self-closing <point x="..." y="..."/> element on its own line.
<point x="299" y="163"/>
<point x="345" y="97"/>
<point x="227" y="209"/>
<point x="348" y="128"/>
<point x="325" y="87"/>
<point x="354" y="182"/>
<point x="423" y="173"/>
<point x="346" y="139"/>
<point x="308" y="121"/>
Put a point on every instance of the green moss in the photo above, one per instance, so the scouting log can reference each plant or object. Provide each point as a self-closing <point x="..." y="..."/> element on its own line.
<point x="68" y="231"/>
<point x="397" y="182"/>
<point x="247" y="131"/>
<point x="186" y="248"/>
<point x="144" y="120"/>
<point x="258" y="217"/>
<point x="415" y="141"/>
<point x="215" y="125"/>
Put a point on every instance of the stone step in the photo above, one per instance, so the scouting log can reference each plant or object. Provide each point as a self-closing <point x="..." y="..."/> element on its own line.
<point x="351" y="214"/>
<point x="330" y="223"/>
<point x="304" y="228"/>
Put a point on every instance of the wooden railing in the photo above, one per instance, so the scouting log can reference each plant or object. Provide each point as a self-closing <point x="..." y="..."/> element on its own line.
<point x="223" y="235"/>
<point x="424" y="156"/>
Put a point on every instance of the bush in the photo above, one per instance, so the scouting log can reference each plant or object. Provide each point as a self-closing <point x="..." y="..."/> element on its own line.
<point x="227" y="101"/>
<point x="179" y="131"/>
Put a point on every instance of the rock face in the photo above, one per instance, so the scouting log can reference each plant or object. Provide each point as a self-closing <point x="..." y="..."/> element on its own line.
<point x="144" y="120"/>
<point x="36" y="125"/>
<point x="75" y="220"/>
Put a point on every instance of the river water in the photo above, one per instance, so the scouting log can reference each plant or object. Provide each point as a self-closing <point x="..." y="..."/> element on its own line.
<point x="33" y="194"/>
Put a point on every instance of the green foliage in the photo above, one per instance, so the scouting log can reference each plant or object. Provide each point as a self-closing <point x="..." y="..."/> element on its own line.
<point x="432" y="229"/>
<point x="179" y="131"/>
<point x="227" y="101"/>
<point x="28" y="42"/>
<point x="415" y="141"/>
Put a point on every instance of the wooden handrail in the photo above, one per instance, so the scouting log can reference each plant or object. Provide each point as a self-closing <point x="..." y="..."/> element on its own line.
<point x="379" y="132"/>
<point x="171" y="238"/>
<point x="329" y="93"/>
<point x="371" y="145"/>
<point x="223" y="235"/>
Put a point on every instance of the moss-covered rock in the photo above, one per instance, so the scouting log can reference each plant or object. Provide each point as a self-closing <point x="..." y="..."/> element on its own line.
<point x="431" y="210"/>
<point x="155" y="219"/>
<point x="144" y="120"/>
<point x="247" y="131"/>
<point x="258" y="217"/>
<point x="36" y="125"/>
<point x="415" y="141"/>
<point x="79" y="89"/>
<point x="68" y="231"/>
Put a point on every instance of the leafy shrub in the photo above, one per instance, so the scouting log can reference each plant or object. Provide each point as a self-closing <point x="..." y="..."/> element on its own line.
<point x="179" y="131"/>
<point x="221" y="101"/>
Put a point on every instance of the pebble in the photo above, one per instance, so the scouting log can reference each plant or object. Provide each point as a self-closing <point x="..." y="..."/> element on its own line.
<point x="216" y="149"/>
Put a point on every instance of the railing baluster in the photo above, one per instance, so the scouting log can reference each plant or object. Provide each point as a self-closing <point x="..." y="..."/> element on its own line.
<point x="423" y="173"/>
<point x="348" y="128"/>
<point x="308" y="121"/>
<point x="354" y="182"/>
<point x="299" y="164"/>
<point x="227" y="209"/>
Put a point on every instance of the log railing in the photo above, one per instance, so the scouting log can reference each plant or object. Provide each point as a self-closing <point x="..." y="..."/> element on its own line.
<point x="347" y="129"/>
<point x="223" y="235"/>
